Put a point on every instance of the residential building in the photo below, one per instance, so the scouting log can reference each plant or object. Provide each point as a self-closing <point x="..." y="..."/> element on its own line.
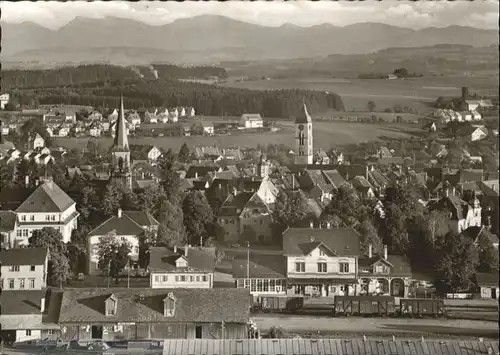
<point x="8" y="225"/>
<point x="4" y="100"/>
<point x="24" y="269"/>
<point x="251" y="120"/>
<point x="36" y="141"/>
<point x="48" y="206"/>
<point x="127" y="225"/>
<point x="144" y="152"/>
<point x="303" y="139"/>
<point x="114" y="314"/>
<point x="363" y="187"/>
<point x="462" y="215"/>
<point x="488" y="285"/>
<point x="321" y="261"/>
<point x="208" y="128"/>
<point x="188" y="267"/>
<point x="321" y="158"/>
<point x="30" y="315"/>
<point x="121" y="169"/>
<point x="263" y="275"/>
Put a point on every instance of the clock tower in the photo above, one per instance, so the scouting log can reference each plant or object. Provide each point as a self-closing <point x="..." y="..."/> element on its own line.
<point x="303" y="139"/>
<point x="120" y="153"/>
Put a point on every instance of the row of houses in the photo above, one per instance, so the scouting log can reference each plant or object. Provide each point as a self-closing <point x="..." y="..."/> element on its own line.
<point x="448" y="115"/>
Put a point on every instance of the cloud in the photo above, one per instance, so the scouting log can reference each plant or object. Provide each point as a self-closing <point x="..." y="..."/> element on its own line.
<point x="482" y="14"/>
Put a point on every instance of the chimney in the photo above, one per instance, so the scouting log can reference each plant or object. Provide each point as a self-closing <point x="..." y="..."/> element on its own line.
<point x="489" y="222"/>
<point x="235" y="191"/>
<point x="447" y="192"/>
<point x="27" y="180"/>
<point x="186" y="249"/>
<point x="385" y="252"/>
<point x="366" y="173"/>
<point x="370" y="251"/>
<point x="311" y="225"/>
<point x="196" y="175"/>
<point x="119" y="213"/>
<point x="175" y="249"/>
<point x="42" y="305"/>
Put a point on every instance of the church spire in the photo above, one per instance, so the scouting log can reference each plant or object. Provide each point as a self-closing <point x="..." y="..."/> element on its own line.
<point x="304" y="116"/>
<point x="121" y="138"/>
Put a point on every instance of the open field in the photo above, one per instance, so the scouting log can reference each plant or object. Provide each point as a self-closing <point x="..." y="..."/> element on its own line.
<point x="415" y="93"/>
<point x="326" y="135"/>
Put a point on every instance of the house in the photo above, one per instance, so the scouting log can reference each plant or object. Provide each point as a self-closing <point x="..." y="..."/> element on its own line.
<point x="383" y="274"/>
<point x="462" y="215"/>
<point x="188" y="267"/>
<point x="4" y="100"/>
<point x="150" y="117"/>
<point x="134" y="118"/>
<point x="24" y="269"/>
<point x="321" y="158"/>
<point x="190" y="112"/>
<point x="128" y="225"/>
<point x="144" y="152"/>
<point x="48" y="206"/>
<point x="475" y="233"/>
<point x="208" y="128"/>
<point x="321" y="261"/>
<point x="245" y="216"/>
<point x="251" y="120"/>
<point x="36" y="141"/>
<point x="488" y="285"/>
<point x="30" y="315"/>
<point x="232" y="154"/>
<point x="114" y="314"/>
<point x="363" y="187"/>
<point x="473" y="133"/>
<point x="316" y="184"/>
<point x="262" y="274"/>
<point x="95" y="116"/>
<point x="8" y="225"/>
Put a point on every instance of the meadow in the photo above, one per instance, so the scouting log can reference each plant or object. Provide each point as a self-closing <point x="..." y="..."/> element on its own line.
<point x="416" y="93"/>
<point x="326" y="135"/>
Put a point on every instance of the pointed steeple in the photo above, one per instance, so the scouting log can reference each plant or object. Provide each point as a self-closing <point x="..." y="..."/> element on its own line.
<point x="304" y="116"/>
<point x="121" y="138"/>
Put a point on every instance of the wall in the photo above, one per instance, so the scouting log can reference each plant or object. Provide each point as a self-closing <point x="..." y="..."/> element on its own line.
<point x="172" y="283"/>
<point x="39" y="275"/>
<point x="93" y="242"/>
<point x="231" y="227"/>
<point x="311" y="268"/>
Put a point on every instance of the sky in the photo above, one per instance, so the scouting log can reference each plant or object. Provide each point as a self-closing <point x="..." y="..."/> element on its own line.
<point x="416" y="15"/>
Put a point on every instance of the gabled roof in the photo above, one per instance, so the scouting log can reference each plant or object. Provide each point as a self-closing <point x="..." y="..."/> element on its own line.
<point x="201" y="170"/>
<point x="146" y="305"/>
<point x="360" y="182"/>
<point x="198" y="259"/>
<point x="234" y="204"/>
<point x="47" y="198"/>
<point x="123" y="225"/>
<point x="343" y="241"/>
<point x="22" y="302"/>
<point x="474" y="233"/>
<point x="261" y="266"/>
<point x="142" y="218"/>
<point x="23" y="256"/>
<point x="334" y="177"/>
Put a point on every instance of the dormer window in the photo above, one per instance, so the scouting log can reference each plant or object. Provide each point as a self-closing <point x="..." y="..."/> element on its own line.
<point x="110" y="305"/>
<point x="181" y="262"/>
<point x="169" y="305"/>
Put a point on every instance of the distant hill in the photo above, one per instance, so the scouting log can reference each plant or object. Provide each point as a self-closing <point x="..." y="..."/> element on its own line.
<point x="211" y="39"/>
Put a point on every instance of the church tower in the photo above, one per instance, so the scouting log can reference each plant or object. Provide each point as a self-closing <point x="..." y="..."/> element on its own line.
<point x="303" y="139"/>
<point x="262" y="167"/>
<point x="120" y="168"/>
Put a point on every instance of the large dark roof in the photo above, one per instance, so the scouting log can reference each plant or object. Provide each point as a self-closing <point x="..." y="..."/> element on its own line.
<point x="48" y="198"/>
<point x="22" y="302"/>
<point x="484" y="279"/>
<point x="23" y="256"/>
<point x="349" y="346"/>
<point x="235" y="204"/>
<point x="261" y="266"/>
<point x="142" y="218"/>
<point x="123" y="225"/>
<point x="198" y="259"/>
<point x="146" y="305"/>
<point x="344" y="241"/>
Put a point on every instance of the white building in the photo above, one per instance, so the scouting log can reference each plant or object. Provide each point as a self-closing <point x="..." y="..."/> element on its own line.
<point x="304" y="154"/>
<point x="4" y="100"/>
<point x="251" y="120"/>
<point x="48" y="206"/>
<point x="24" y="269"/>
<point x="188" y="267"/>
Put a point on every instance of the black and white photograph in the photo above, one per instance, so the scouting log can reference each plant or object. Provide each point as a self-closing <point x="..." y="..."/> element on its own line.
<point x="249" y="177"/>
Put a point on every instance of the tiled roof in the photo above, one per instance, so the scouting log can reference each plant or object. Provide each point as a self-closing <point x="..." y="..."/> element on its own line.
<point x="334" y="178"/>
<point x="48" y="198"/>
<point x="22" y="302"/>
<point x="7" y="221"/>
<point x="261" y="266"/>
<point x="344" y="241"/>
<point x="146" y="305"/>
<point x="122" y="226"/>
<point x="484" y="279"/>
<point x="360" y="182"/>
<point x="350" y="346"/>
<point x="142" y="218"/>
<point x="201" y="170"/>
<point x="198" y="259"/>
<point x="234" y="205"/>
<point x="23" y="256"/>
<point x="475" y="232"/>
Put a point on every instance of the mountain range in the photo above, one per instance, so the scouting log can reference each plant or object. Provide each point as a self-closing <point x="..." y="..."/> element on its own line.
<point x="210" y="39"/>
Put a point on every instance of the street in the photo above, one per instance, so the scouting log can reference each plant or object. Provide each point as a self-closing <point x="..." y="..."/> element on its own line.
<point x="329" y="325"/>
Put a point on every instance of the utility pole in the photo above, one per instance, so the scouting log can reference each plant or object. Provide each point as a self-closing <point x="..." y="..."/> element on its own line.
<point x="128" y="274"/>
<point x="109" y="271"/>
<point x="248" y="264"/>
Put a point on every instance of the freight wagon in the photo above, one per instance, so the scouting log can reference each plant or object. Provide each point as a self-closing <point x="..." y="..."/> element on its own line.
<point x="364" y="306"/>
<point x="278" y="304"/>
<point x="421" y="307"/>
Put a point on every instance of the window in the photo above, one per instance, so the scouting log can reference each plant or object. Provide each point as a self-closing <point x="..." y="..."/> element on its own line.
<point x="32" y="217"/>
<point x="32" y="267"/>
<point x="300" y="267"/>
<point x="23" y="218"/>
<point x="266" y="285"/>
<point x="19" y="232"/>
<point x="321" y="267"/>
<point x="11" y="284"/>
<point x="21" y="284"/>
<point x="322" y="253"/>
<point x="25" y="232"/>
<point x="50" y="332"/>
<point x="14" y="268"/>
<point x="259" y="285"/>
<point x="344" y="267"/>
<point x="53" y="217"/>
<point x="47" y="217"/>
<point x="204" y="278"/>
<point x="32" y="283"/>
<point x="253" y="285"/>
<point x="28" y="332"/>
<point x="191" y="278"/>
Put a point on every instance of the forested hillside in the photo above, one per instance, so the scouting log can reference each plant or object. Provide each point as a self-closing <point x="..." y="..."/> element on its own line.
<point x="102" y="85"/>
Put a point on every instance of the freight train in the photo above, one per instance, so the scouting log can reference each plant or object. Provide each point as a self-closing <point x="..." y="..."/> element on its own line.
<point x="364" y="306"/>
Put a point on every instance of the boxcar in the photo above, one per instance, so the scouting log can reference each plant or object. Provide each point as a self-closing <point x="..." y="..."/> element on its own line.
<point x="278" y="304"/>
<point x="364" y="305"/>
<point x="421" y="307"/>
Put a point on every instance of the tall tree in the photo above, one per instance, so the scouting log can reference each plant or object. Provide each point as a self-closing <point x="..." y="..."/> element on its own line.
<point x="369" y="236"/>
<point x="113" y="253"/>
<point x="52" y="239"/>
<point x="488" y="255"/>
<point x="184" y="154"/>
<point x="171" y="230"/>
<point x="198" y="217"/>
<point x="457" y="259"/>
<point x="290" y="210"/>
<point x="111" y="199"/>
<point x="151" y="199"/>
